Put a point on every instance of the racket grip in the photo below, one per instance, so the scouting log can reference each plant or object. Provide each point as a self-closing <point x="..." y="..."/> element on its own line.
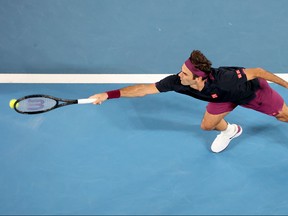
<point x="86" y="101"/>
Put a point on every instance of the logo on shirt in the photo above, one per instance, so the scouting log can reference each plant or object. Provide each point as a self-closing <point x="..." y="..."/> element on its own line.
<point x="239" y="74"/>
<point x="214" y="95"/>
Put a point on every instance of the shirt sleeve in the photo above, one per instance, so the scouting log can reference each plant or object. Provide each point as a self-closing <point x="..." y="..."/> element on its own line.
<point x="168" y="83"/>
<point x="232" y="78"/>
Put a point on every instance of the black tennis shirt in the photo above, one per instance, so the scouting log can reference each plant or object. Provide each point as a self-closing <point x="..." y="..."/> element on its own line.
<point x="225" y="84"/>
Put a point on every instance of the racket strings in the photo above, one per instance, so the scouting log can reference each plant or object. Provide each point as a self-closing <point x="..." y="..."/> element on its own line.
<point x="35" y="104"/>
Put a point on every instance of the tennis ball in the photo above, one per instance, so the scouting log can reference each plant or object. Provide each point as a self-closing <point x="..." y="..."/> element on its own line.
<point x="12" y="103"/>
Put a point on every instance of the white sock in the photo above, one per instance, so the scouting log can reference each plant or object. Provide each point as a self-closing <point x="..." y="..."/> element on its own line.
<point x="230" y="129"/>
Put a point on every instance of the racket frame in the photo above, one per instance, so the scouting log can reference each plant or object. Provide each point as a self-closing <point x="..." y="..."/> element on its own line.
<point x="59" y="103"/>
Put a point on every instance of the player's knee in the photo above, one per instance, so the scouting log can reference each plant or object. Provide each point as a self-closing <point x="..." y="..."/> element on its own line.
<point x="283" y="118"/>
<point x="283" y="114"/>
<point x="205" y="126"/>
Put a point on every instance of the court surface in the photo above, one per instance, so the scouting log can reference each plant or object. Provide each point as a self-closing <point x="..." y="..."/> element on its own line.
<point x="140" y="156"/>
<point x="137" y="156"/>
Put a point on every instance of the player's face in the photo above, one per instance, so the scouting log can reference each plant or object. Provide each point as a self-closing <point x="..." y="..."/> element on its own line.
<point x="186" y="76"/>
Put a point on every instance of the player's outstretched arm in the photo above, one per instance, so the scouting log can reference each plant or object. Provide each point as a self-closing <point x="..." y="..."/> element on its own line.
<point x="253" y="73"/>
<point x="130" y="91"/>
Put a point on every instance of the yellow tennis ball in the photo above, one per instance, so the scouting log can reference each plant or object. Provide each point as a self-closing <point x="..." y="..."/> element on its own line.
<point x="12" y="103"/>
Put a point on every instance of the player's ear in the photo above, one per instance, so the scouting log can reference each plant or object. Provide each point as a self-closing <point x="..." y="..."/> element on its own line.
<point x="198" y="79"/>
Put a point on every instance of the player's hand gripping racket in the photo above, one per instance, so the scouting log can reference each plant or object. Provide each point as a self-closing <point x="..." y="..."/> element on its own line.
<point x="34" y="104"/>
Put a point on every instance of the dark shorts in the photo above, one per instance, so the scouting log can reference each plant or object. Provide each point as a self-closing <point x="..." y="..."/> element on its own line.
<point x="267" y="101"/>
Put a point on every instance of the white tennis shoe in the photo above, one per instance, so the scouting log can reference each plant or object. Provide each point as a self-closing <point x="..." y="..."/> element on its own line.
<point x="222" y="140"/>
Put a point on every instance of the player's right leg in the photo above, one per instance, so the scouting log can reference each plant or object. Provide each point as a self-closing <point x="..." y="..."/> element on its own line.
<point x="228" y="131"/>
<point x="283" y="114"/>
<point x="214" y="120"/>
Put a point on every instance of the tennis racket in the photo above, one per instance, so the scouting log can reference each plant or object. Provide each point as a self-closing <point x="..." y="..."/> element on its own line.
<point x="35" y="104"/>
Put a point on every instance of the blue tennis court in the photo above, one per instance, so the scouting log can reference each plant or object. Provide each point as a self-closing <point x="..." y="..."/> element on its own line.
<point x="138" y="156"/>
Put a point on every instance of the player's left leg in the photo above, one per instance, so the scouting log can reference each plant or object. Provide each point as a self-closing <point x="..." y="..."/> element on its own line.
<point x="283" y="114"/>
<point x="269" y="102"/>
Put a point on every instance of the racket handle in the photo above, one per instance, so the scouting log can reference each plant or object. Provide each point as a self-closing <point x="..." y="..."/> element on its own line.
<point x="86" y="101"/>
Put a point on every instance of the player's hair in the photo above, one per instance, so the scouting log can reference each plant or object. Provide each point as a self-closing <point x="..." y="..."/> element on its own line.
<point x="200" y="61"/>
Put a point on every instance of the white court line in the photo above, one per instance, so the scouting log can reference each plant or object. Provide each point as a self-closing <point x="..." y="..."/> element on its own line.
<point x="81" y="78"/>
<point x="88" y="78"/>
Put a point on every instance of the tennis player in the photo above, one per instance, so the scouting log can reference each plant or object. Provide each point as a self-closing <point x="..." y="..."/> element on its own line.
<point x="224" y="88"/>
